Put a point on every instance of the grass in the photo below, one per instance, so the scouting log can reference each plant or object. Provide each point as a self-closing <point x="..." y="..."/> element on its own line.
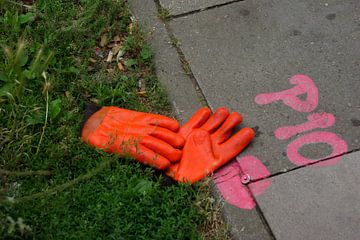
<point x="53" y="61"/>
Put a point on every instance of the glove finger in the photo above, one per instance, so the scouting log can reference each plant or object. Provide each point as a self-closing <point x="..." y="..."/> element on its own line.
<point x="216" y="120"/>
<point x="162" y="148"/>
<point x="163" y="121"/>
<point x="224" y="131"/>
<point x="236" y="143"/>
<point x="168" y="136"/>
<point x="148" y="157"/>
<point x="196" y="121"/>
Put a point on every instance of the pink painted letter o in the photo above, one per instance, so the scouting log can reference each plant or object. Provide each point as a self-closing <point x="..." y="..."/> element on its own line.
<point x="339" y="146"/>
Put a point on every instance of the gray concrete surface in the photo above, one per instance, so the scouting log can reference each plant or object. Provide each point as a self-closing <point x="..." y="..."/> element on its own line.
<point x="176" y="7"/>
<point x="246" y="48"/>
<point x="243" y="224"/>
<point x="168" y="66"/>
<point x="315" y="203"/>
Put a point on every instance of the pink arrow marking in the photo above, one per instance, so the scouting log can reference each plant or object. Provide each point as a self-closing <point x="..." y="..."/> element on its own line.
<point x="303" y="84"/>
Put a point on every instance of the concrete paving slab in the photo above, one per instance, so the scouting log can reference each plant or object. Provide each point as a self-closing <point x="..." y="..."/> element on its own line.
<point x="168" y="66"/>
<point x="177" y="7"/>
<point x="243" y="49"/>
<point x="315" y="203"/>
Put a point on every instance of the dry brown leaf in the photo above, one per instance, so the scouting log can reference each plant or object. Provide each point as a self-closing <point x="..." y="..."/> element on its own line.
<point x="95" y="100"/>
<point x="142" y="85"/>
<point x="93" y="60"/>
<point x="110" y="56"/>
<point x="117" y="38"/>
<point x="121" y="66"/>
<point x="116" y="48"/>
<point x="90" y="68"/>
<point x="142" y="93"/>
<point x="103" y="40"/>
<point x="110" y="70"/>
<point x="110" y="45"/>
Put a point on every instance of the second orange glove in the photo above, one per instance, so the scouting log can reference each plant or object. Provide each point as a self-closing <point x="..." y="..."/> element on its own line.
<point x="208" y="144"/>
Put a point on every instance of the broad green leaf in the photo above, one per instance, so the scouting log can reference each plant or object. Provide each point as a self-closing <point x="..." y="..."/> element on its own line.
<point x="29" y="74"/>
<point x="6" y="89"/>
<point x="24" y="58"/>
<point x="25" y="18"/>
<point x="130" y="63"/>
<point x="35" y="118"/>
<point x="74" y="70"/>
<point x="54" y="108"/>
<point x="3" y="77"/>
<point x="146" y="53"/>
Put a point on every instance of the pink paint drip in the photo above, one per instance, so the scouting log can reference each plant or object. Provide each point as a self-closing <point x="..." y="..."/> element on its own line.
<point x="230" y="178"/>
<point x="339" y="146"/>
<point x="315" y="120"/>
<point x="303" y="84"/>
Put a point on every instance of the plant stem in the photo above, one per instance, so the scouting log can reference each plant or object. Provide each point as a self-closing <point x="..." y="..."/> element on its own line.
<point x="21" y="174"/>
<point x="64" y="186"/>
<point x="46" y="117"/>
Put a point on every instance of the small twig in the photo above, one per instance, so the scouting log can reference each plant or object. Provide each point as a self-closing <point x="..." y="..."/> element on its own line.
<point x="28" y="173"/>
<point x="20" y="4"/>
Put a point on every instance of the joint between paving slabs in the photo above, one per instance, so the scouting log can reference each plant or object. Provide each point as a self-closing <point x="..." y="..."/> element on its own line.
<point x="184" y="63"/>
<point x="303" y="166"/>
<point x="262" y="216"/>
<point x="166" y="14"/>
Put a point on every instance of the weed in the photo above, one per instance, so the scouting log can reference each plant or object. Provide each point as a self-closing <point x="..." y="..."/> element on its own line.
<point x="163" y="13"/>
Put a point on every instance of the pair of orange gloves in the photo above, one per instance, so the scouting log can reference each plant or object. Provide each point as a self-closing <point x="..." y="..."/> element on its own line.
<point x="187" y="153"/>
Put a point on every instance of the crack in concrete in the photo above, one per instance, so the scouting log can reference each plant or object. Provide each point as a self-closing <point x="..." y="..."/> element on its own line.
<point x="202" y="9"/>
<point x="305" y="165"/>
<point x="184" y="63"/>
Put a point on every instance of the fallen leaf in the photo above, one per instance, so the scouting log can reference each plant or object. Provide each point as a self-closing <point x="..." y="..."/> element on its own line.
<point x="110" y="45"/>
<point x="121" y="66"/>
<point x="110" y="56"/>
<point x="116" y="48"/>
<point x="119" y="55"/>
<point x="117" y="38"/>
<point x="90" y="68"/>
<point x="110" y="70"/>
<point x="142" y="85"/>
<point x="141" y="93"/>
<point x="93" y="60"/>
<point x="103" y="40"/>
<point x="95" y="100"/>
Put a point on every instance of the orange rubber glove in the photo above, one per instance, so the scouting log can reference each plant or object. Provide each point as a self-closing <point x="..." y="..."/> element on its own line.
<point x="149" y="138"/>
<point x="208" y="144"/>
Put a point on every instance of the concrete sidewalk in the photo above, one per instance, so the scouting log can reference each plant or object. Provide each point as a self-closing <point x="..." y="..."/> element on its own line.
<point x="292" y="69"/>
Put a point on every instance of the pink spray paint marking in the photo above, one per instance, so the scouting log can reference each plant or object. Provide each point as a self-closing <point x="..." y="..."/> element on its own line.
<point x="303" y="84"/>
<point x="231" y="178"/>
<point x="339" y="146"/>
<point x="315" y="120"/>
